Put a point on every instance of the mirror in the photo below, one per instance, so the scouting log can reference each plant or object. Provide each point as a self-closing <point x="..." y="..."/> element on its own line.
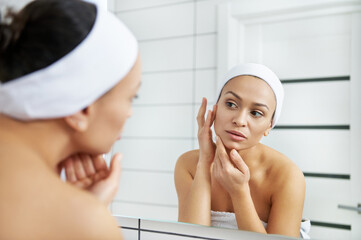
<point x="186" y="46"/>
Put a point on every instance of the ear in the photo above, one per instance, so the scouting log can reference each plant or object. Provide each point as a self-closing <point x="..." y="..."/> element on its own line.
<point x="268" y="130"/>
<point x="79" y="121"/>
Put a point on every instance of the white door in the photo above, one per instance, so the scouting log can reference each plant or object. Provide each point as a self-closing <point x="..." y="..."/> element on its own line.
<point x="315" y="48"/>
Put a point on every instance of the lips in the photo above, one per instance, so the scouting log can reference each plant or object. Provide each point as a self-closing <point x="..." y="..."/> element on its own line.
<point x="237" y="133"/>
<point x="237" y="136"/>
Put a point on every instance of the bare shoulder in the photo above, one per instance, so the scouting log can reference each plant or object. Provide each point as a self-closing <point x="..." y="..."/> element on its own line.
<point x="281" y="169"/>
<point x="188" y="162"/>
<point x="93" y="221"/>
<point x="44" y="207"/>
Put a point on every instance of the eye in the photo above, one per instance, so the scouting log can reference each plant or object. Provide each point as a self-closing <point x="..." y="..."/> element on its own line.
<point x="231" y="104"/>
<point x="135" y="97"/>
<point x="257" y="114"/>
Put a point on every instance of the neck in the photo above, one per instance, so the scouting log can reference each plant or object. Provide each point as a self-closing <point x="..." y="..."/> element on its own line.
<point x="249" y="155"/>
<point x="47" y="139"/>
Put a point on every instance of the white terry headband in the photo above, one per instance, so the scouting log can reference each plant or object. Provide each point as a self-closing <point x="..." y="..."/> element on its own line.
<point x="76" y="80"/>
<point x="262" y="72"/>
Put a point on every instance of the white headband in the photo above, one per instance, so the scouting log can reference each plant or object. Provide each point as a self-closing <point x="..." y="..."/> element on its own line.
<point x="76" y="80"/>
<point x="263" y="73"/>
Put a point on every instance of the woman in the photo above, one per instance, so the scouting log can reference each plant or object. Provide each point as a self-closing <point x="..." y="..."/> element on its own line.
<point x="69" y="71"/>
<point x="239" y="182"/>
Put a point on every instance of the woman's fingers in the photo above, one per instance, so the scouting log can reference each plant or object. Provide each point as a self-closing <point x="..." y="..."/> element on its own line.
<point x="78" y="167"/>
<point x="106" y="188"/>
<point x="217" y="160"/>
<point x="214" y="111"/>
<point x="238" y="162"/>
<point x="222" y="153"/>
<point x="87" y="164"/>
<point x="208" y="122"/>
<point x="211" y="116"/>
<point x="84" y="183"/>
<point x="99" y="163"/>
<point x="201" y="112"/>
<point x="69" y="170"/>
<point x="115" y="168"/>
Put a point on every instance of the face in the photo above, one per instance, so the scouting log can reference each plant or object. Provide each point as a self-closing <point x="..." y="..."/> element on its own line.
<point x="111" y="111"/>
<point x="244" y="112"/>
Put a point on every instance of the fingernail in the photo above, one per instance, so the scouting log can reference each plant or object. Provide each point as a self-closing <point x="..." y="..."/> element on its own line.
<point x="217" y="138"/>
<point x="234" y="153"/>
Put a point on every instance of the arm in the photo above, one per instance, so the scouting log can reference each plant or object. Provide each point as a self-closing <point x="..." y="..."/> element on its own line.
<point x="194" y="193"/>
<point x="92" y="174"/>
<point x="233" y="174"/>
<point x="287" y="203"/>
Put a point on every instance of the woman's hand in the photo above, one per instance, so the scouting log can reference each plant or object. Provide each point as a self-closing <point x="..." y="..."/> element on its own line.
<point x="230" y="171"/>
<point x="206" y="145"/>
<point x="92" y="174"/>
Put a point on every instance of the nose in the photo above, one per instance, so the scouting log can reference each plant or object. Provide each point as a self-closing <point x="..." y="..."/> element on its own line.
<point x="130" y="112"/>
<point x="240" y="119"/>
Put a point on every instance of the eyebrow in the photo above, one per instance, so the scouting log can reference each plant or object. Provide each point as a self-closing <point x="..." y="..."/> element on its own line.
<point x="238" y="97"/>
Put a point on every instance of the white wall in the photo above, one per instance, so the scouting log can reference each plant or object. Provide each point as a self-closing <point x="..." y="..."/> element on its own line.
<point x="178" y="44"/>
<point x="177" y="41"/>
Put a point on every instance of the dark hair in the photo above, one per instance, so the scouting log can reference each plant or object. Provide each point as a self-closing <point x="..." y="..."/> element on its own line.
<point x="41" y="33"/>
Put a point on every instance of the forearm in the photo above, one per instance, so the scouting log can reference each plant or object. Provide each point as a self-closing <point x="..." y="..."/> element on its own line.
<point x="246" y="214"/>
<point x="197" y="205"/>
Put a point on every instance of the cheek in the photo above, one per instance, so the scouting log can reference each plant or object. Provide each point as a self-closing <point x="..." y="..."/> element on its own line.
<point x="219" y="121"/>
<point x="258" y="129"/>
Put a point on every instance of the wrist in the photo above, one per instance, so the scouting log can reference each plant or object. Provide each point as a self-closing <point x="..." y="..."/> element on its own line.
<point x="204" y="163"/>
<point x="241" y="192"/>
<point x="206" y="158"/>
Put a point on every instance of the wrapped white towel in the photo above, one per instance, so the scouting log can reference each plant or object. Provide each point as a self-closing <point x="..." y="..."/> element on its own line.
<point x="228" y="220"/>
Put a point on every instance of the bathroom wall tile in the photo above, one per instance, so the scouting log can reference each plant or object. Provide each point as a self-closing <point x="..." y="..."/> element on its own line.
<point x="205" y="86"/>
<point x="146" y="211"/>
<point x="161" y="22"/>
<point x="303" y="103"/>
<point x="132" y="5"/>
<point x="166" y="88"/>
<point x="111" y="5"/>
<point x="206" y="51"/>
<point x="167" y="55"/>
<point x="17" y="5"/>
<point x="152" y="188"/>
<point x="206" y="16"/>
<point x="160" y="121"/>
<point x="328" y="151"/>
<point x="151" y="154"/>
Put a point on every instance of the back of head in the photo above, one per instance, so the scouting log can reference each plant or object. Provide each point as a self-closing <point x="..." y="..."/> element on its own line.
<point x="59" y="56"/>
<point x="41" y="33"/>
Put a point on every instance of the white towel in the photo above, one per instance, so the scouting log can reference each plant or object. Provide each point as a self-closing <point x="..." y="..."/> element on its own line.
<point x="228" y="220"/>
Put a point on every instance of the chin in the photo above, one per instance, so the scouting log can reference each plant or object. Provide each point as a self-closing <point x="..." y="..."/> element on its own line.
<point x="233" y="145"/>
